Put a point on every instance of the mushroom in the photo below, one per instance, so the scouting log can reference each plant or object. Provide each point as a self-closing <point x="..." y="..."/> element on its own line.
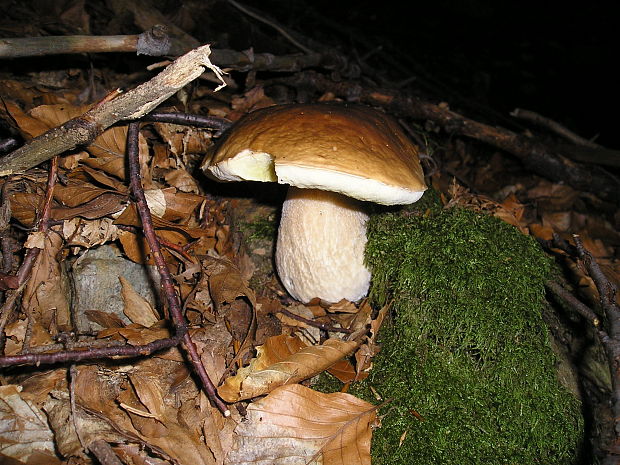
<point x="335" y="157"/>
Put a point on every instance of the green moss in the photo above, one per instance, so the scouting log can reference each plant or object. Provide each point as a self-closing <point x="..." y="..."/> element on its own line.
<point x="263" y="227"/>
<point x="467" y="349"/>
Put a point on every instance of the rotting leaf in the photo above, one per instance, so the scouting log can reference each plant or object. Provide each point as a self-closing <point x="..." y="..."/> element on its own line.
<point x="295" y="425"/>
<point x="24" y="431"/>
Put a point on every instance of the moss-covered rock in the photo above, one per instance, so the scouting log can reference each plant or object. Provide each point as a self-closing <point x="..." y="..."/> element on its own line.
<point x="466" y="359"/>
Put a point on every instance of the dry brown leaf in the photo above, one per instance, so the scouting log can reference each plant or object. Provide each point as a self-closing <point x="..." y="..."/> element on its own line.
<point x="129" y="217"/>
<point x="105" y="319"/>
<point x="310" y="334"/>
<point x="180" y="206"/>
<point x="29" y="126"/>
<point x="100" y="207"/>
<point x="305" y="363"/>
<point x="184" y="139"/>
<point x="145" y="409"/>
<point x="47" y="291"/>
<point x="150" y="394"/>
<point x="64" y="420"/>
<point x="24" y="207"/>
<point x="24" y="431"/>
<point x="182" y="180"/>
<point x="137" y="249"/>
<point x="253" y="99"/>
<point x="89" y="233"/>
<point x="76" y="193"/>
<point x="136" y="307"/>
<point x="295" y="425"/>
<point x="18" y="90"/>
<point x="225" y="281"/>
<point x="35" y="240"/>
<point x="85" y="173"/>
<point x="137" y="334"/>
<point x="110" y="145"/>
<point x="114" y="165"/>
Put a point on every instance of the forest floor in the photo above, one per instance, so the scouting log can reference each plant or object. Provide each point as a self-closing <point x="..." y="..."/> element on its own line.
<point x="99" y="363"/>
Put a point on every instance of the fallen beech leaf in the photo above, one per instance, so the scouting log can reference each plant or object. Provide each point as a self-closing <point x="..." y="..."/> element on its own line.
<point x="225" y="281"/>
<point x="295" y="425"/>
<point x="35" y="240"/>
<point x="110" y="144"/>
<point x="136" y="307"/>
<point x="183" y="139"/>
<point x="279" y="348"/>
<point x="137" y="249"/>
<point x="47" y="291"/>
<point x="148" y="391"/>
<point x="101" y="178"/>
<point x="181" y="206"/>
<point x="307" y="362"/>
<point x="29" y="126"/>
<point x="89" y="233"/>
<point x="23" y="428"/>
<point x="113" y="164"/>
<point x="78" y="192"/>
<point x="24" y="207"/>
<point x="182" y="180"/>
<point x="156" y="202"/>
<point x="129" y="217"/>
<point x="99" y="207"/>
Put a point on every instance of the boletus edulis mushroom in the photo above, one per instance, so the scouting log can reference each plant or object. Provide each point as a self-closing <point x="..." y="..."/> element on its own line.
<point x="335" y="157"/>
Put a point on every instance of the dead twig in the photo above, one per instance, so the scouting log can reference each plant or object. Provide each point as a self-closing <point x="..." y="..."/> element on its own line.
<point x="554" y="126"/>
<point x="91" y="353"/>
<point x="314" y="324"/>
<point x="167" y="283"/>
<point x="75" y="355"/>
<point x="269" y="23"/>
<point x="154" y="42"/>
<point x="201" y="121"/>
<point x="608" y="333"/>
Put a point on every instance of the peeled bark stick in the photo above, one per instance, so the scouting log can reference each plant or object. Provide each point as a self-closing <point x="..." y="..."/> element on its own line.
<point x="154" y="42"/>
<point x="131" y="105"/>
<point x="40" y="46"/>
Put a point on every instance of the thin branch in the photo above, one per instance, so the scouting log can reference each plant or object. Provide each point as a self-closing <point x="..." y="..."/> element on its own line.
<point x="272" y="24"/>
<point x="25" y="269"/>
<point x="573" y="302"/>
<point x="609" y="337"/>
<point x="314" y="324"/>
<point x="104" y="453"/>
<point x="167" y="283"/>
<point x="201" y="121"/>
<point x="91" y="354"/>
<point x="553" y="126"/>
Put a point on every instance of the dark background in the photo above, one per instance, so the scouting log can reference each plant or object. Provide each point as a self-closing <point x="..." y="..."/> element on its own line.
<point x="553" y="58"/>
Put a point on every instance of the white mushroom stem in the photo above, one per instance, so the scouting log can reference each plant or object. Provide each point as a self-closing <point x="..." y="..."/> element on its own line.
<point x="320" y="247"/>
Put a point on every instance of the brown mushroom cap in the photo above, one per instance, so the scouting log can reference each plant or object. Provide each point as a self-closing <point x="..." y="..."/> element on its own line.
<point x="351" y="149"/>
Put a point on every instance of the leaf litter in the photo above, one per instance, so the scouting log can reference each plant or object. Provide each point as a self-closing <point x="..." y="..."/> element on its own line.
<point x="146" y="408"/>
